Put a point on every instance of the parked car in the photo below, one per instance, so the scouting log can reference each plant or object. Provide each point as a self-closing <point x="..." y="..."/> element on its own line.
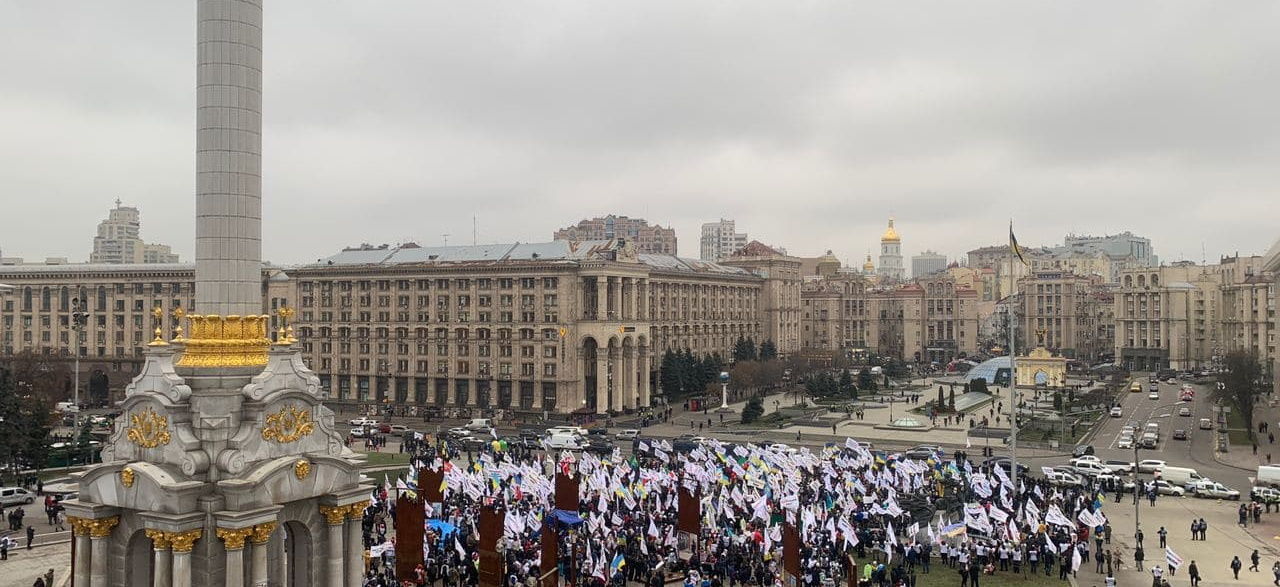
<point x="1082" y="449"/>
<point x="362" y="421"/>
<point x="479" y="424"/>
<point x="1006" y="464"/>
<point x="1166" y="488"/>
<point x="1206" y="424"/>
<point x="1117" y="412"/>
<point x="922" y="452"/>
<point x="1179" y="434"/>
<point x="684" y="443"/>
<point x="398" y="429"/>
<point x="357" y="432"/>
<point x="1216" y="491"/>
<point x="1091" y="469"/>
<point x="1150" y="465"/>
<point x="15" y="495"/>
<point x="1262" y="494"/>
<point x="1085" y="459"/>
<point x="627" y="434"/>
<point x="1112" y="478"/>
<point x="1064" y="479"/>
<point x="1119" y="466"/>
<point x="599" y="447"/>
<point x="581" y="432"/>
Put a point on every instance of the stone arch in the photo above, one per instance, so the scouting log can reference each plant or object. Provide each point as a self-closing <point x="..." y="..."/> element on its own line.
<point x="1041" y="377"/>
<point x="139" y="564"/>
<point x="589" y="350"/>
<point x="296" y="545"/>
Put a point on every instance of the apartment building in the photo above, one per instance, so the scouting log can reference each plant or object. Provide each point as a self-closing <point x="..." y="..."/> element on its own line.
<point x="36" y="314"/>
<point x="1248" y="307"/>
<point x="1168" y="317"/>
<point x="1059" y="311"/>
<point x="647" y="239"/>
<point x="720" y="240"/>
<point x="556" y="327"/>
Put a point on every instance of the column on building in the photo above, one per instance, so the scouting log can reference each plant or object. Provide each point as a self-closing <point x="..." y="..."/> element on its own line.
<point x="644" y="375"/>
<point x="162" y="558"/>
<point x="233" y="540"/>
<point x="616" y="297"/>
<point x="99" y="535"/>
<point x="84" y="554"/>
<point x="628" y="379"/>
<point x="355" y="554"/>
<point x="602" y="378"/>
<point x="602" y="297"/>
<point x="183" y="543"/>
<point x="579" y="297"/>
<point x="261" y="538"/>
<point x="642" y="299"/>
<point x="611" y="382"/>
<point x="335" y="516"/>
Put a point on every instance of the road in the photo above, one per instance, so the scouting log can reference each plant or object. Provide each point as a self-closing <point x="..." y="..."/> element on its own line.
<point x="1196" y="452"/>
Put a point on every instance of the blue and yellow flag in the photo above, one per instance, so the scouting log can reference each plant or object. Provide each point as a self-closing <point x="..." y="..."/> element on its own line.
<point x="1013" y="246"/>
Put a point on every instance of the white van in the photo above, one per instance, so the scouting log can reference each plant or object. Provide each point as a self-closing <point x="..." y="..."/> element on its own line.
<point x="66" y="408"/>
<point x="1269" y="475"/>
<point x="1181" y="476"/>
<point x="15" y="495"/>
<point x="479" y="424"/>
<point x="563" y="442"/>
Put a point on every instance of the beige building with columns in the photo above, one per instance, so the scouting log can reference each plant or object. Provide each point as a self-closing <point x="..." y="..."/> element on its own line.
<point x="557" y="327"/>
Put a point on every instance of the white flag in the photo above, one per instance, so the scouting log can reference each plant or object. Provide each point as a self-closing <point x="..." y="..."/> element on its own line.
<point x="1172" y="559"/>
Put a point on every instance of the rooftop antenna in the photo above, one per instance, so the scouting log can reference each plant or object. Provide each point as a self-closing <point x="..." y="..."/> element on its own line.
<point x="473" y="230"/>
<point x="446" y="239"/>
<point x="1203" y="260"/>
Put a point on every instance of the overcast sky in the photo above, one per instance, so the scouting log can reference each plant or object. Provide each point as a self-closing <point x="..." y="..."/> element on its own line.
<point x="808" y="122"/>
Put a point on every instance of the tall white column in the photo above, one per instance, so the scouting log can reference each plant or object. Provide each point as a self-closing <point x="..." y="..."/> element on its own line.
<point x="335" y="515"/>
<point x="602" y="298"/>
<point x="84" y="552"/>
<point x="229" y="157"/>
<point x="644" y="376"/>
<point x="162" y="558"/>
<point x="261" y="541"/>
<point x="183" y="543"/>
<point x="355" y="545"/>
<point x="99" y="533"/>
<point x="602" y="379"/>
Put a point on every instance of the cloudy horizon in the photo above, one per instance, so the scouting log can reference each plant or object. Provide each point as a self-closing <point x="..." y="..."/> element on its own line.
<point x="809" y="123"/>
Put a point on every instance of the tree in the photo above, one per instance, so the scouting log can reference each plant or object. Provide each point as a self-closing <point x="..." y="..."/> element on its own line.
<point x="941" y="402"/>
<point x="846" y="382"/>
<point x="25" y="420"/>
<point x="669" y="376"/>
<point x="753" y="410"/>
<point x="768" y="350"/>
<point x="952" y="399"/>
<point x="1057" y="401"/>
<point x="744" y="350"/>
<point x="1240" y="385"/>
<point x="866" y="380"/>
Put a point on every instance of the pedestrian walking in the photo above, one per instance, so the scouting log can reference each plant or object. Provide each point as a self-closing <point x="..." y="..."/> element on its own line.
<point x="1163" y="533"/>
<point x="1235" y="567"/>
<point x="1275" y="572"/>
<point x="1193" y="571"/>
<point x="1253" y="559"/>
<point x="31" y="536"/>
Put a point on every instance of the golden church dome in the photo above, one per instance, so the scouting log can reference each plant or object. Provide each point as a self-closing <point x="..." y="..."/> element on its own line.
<point x="868" y="266"/>
<point x="890" y="235"/>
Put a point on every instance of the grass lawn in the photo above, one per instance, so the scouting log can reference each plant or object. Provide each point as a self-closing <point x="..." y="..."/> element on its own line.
<point x="382" y="459"/>
<point x="942" y="576"/>
<point x="1237" y="431"/>
<point x="389" y="476"/>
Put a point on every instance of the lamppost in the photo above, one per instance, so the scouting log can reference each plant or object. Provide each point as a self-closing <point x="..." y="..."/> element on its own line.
<point x="79" y="320"/>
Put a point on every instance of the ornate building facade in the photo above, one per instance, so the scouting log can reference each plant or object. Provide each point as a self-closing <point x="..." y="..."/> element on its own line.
<point x="891" y="267"/>
<point x="647" y="239"/>
<point x="556" y="327"/>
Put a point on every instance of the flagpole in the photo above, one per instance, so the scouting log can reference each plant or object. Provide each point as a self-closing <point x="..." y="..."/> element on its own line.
<point x="1013" y="380"/>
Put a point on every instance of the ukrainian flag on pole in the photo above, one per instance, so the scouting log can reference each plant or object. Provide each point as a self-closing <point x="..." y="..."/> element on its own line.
<point x="1013" y="246"/>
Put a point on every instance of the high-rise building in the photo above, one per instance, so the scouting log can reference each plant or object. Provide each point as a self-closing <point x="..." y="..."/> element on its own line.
<point x="1168" y="317"/>
<point x="1248" y="308"/>
<point x="1059" y="312"/>
<point x="118" y="240"/>
<point x="1116" y="246"/>
<point x="647" y="239"/>
<point x="780" y="292"/>
<point x="891" y="255"/>
<point x="720" y="240"/>
<point x="926" y="263"/>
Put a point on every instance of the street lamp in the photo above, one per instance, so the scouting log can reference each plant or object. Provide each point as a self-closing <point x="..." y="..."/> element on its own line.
<point x="79" y="320"/>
